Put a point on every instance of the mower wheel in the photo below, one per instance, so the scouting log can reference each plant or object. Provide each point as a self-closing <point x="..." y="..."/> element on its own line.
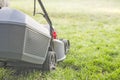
<point x="3" y="64"/>
<point x="50" y="62"/>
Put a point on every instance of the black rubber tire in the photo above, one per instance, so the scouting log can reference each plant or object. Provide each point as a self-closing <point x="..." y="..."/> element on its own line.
<point x="3" y="64"/>
<point x="50" y="62"/>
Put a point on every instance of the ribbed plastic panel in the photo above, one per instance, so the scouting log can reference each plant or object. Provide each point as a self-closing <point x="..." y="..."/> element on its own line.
<point x="36" y="45"/>
<point x="11" y="41"/>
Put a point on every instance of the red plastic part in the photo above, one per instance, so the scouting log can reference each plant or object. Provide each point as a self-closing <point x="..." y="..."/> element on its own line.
<point x="54" y="35"/>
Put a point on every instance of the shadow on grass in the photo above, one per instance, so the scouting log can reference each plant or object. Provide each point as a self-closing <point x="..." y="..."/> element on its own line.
<point x="19" y="73"/>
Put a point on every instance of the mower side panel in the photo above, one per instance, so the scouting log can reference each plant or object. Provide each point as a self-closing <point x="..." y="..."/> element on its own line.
<point x="20" y="43"/>
<point x="59" y="49"/>
<point x="11" y="41"/>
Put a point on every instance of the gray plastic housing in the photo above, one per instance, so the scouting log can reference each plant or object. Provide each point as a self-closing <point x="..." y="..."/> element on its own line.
<point x="22" y="38"/>
<point x="59" y="49"/>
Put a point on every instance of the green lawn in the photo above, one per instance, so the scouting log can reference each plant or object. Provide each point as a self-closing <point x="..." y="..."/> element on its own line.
<point x="93" y="28"/>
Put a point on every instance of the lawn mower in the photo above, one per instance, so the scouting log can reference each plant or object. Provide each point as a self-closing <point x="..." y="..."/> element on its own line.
<point x="26" y="43"/>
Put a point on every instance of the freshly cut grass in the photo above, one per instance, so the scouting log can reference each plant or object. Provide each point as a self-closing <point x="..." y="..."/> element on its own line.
<point x="93" y="28"/>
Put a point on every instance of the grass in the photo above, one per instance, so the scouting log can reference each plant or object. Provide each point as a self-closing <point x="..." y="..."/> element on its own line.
<point x="93" y="27"/>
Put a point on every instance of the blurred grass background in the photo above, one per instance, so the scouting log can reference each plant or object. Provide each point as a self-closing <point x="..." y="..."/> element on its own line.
<point x="93" y="28"/>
